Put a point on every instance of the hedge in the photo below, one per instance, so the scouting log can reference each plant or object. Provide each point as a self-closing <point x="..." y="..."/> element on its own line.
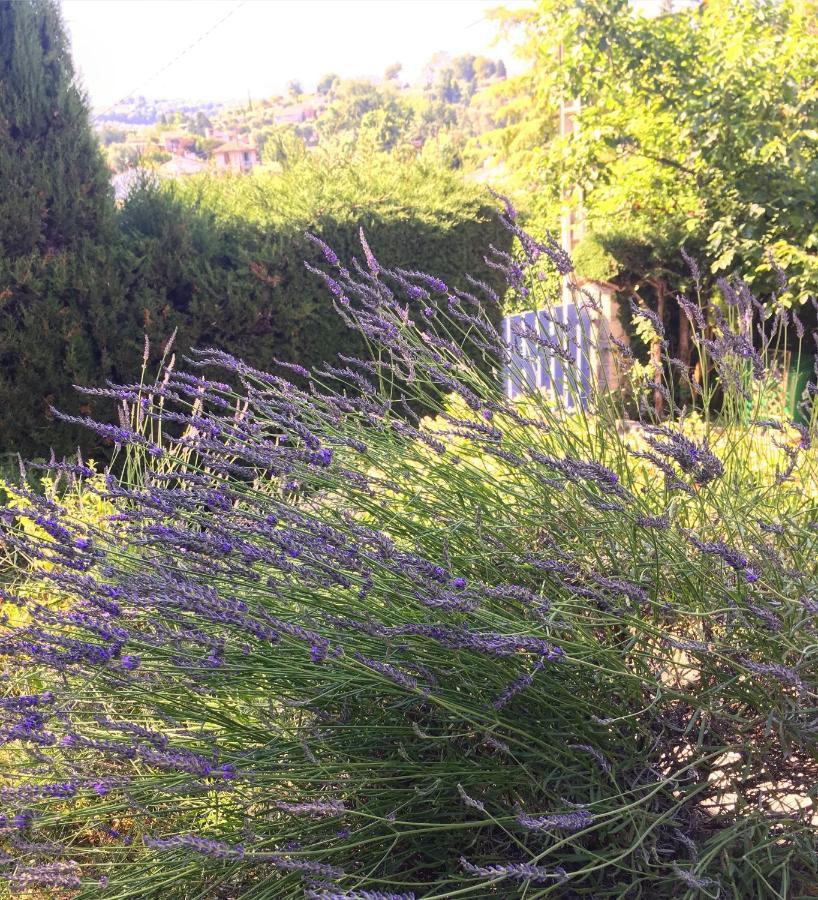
<point x="221" y="260"/>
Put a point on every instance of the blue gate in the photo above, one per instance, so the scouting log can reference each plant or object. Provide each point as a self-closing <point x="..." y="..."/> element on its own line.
<point x="551" y="351"/>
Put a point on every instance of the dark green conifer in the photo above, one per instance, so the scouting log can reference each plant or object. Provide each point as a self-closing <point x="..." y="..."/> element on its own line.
<point x="55" y="186"/>
<point x="57" y="280"/>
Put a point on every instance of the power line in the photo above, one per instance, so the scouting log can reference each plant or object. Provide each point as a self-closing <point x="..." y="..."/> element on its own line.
<point x="173" y="61"/>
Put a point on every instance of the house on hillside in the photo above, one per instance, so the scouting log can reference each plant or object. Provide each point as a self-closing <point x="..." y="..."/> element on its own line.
<point x="234" y="156"/>
<point x="177" y="142"/>
<point x="218" y="134"/>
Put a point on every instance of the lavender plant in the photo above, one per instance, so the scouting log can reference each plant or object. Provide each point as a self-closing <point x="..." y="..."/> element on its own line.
<point x="325" y="648"/>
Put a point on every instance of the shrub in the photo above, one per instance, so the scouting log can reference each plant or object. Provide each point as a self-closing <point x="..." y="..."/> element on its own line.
<point x="218" y="260"/>
<point x="64" y="319"/>
<point x="56" y="190"/>
<point x="325" y="649"/>
<point x="56" y="218"/>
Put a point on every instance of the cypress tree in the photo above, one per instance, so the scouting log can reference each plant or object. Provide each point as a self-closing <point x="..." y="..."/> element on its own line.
<point x="55" y="186"/>
<point x="58" y="279"/>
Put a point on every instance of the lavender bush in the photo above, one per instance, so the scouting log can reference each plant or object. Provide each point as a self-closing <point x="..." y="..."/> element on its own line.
<point x="319" y="647"/>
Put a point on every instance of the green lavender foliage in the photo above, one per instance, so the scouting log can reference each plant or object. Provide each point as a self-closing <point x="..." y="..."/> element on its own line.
<point x="657" y="601"/>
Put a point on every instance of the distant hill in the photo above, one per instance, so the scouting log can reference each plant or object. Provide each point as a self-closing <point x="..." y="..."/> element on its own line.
<point x="440" y="114"/>
<point x="141" y="110"/>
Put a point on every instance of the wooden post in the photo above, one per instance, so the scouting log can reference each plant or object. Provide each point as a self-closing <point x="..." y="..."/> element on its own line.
<point x="608" y="327"/>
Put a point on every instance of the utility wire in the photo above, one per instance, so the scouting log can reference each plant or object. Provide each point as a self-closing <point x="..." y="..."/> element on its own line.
<point x="173" y="61"/>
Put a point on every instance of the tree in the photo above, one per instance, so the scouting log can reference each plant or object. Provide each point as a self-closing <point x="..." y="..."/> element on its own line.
<point x="484" y="68"/>
<point x="201" y="124"/>
<point x="60" y="292"/>
<point x="698" y="126"/>
<point x="204" y="146"/>
<point x="123" y="156"/>
<point x="393" y="71"/>
<point x="110" y="135"/>
<point x="439" y="61"/>
<point x="327" y="83"/>
<point x="294" y="88"/>
<point x="447" y="90"/>
<point x="383" y="128"/>
<point x="464" y="67"/>
<point x="433" y="117"/>
<point x="284" y="146"/>
<point x="352" y="101"/>
<point x="55" y="185"/>
<point x="500" y="71"/>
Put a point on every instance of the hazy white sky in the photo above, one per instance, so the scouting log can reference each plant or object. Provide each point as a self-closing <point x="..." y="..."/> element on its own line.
<point x="225" y="49"/>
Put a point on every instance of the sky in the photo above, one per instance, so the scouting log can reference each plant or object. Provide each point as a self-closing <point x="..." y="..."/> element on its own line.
<point x="223" y="50"/>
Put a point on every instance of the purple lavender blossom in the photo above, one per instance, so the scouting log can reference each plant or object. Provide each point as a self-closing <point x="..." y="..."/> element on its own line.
<point x="315" y="809"/>
<point x="329" y="254"/>
<point x="597" y="755"/>
<point x="728" y="554"/>
<point x="692" y="458"/>
<point x="372" y="263"/>
<point x="782" y="673"/>
<point x="435" y="283"/>
<point x="661" y="523"/>
<point x="393" y="673"/>
<point x="693" y="265"/>
<point x="334" y="894"/>
<point x="517" y="686"/>
<point x="223" y="851"/>
<point x="118" y="435"/>
<point x="516" y="871"/>
<point x="47" y="875"/>
<point x="700" y="883"/>
<point x="470" y="801"/>
<point x="571" y="822"/>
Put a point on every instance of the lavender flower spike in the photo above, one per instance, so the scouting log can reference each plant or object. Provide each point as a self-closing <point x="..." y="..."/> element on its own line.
<point x="332" y="894"/>
<point x="517" y="871"/>
<point x="315" y="809"/>
<point x="374" y="265"/>
<point x="470" y="801"/>
<point x="573" y="821"/>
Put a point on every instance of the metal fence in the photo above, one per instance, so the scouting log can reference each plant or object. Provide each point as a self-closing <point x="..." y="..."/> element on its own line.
<point x="559" y="360"/>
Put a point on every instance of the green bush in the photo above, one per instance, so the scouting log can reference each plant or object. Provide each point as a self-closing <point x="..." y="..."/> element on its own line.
<point x="55" y="188"/>
<point x="221" y="260"/>
<point x="61" y="323"/>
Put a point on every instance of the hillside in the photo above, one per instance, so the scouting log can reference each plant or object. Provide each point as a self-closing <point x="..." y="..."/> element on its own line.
<point x="451" y="104"/>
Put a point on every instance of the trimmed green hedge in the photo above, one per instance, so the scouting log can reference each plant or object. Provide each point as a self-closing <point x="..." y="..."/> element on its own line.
<point x="221" y="259"/>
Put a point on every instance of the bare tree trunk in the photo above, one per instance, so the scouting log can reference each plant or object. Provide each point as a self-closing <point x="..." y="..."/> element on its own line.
<point x="685" y="351"/>
<point x="656" y="351"/>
